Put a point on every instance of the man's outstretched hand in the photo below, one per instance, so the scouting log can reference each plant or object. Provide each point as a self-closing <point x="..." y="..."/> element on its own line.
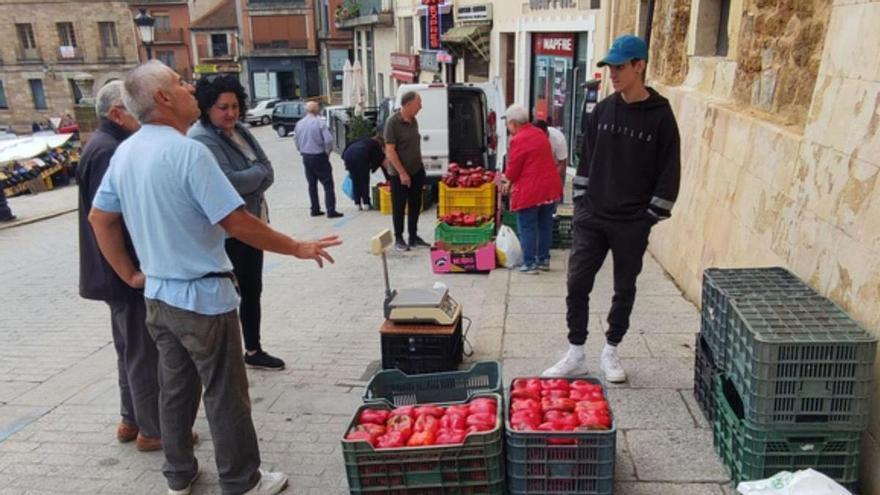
<point x="317" y="250"/>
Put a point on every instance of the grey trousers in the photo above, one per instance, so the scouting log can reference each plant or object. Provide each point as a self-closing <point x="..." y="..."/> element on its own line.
<point x="137" y="360"/>
<point x="194" y="351"/>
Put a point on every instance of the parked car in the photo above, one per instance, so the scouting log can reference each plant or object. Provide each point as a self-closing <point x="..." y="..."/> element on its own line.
<point x="459" y="123"/>
<point x="286" y="114"/>
<point x="261" y="113"/>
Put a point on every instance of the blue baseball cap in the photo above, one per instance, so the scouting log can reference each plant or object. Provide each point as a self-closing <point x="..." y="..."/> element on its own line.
<point x="624" y="49"/>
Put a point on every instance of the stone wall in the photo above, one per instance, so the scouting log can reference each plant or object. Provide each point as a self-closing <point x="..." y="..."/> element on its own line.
<point x="756" y="193"/>
<point x="668" y="61"/>
<point x="779" y="51"/>
<point x="624" y="18"/>
<point x="55" y="72"/>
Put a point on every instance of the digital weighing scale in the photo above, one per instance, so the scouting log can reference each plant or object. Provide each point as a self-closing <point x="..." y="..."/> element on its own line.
<point x="434" y="306"/>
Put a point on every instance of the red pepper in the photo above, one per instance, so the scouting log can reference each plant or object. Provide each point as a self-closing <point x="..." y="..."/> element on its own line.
<point x="560" y="404"/>
<point x="591" y="405"/>
<point x="375" y="416"/>
<point x="583" y="384"/>
<point x="404" y="411"/>
<point x="421" y="438"/>
<point x="392" y="440"/>
<point x="357" y="436"/>
<point x="523" y="393"/>
<point x="594" y="420"/>
<point x="478" y="428"/>
<point x="427" y="422"/>
<point x="458" y="409"/>
<point x="447" y="436"/>
<point x="372" y="429"/>
<point x="555" y="384"/>
<point x="453" y="422"/>
<point x="555" y="394"/>
<point x="525" y="405"/>
<point x="531" y="385"/>
<point x="482" y="419"/>
<point x="435" y="411"/>
<point x="483" y="405"/>
<point x="402" y="423"/>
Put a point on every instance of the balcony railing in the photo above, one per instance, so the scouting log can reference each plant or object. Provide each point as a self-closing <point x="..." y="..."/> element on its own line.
<point x="173" y="35"/>
<point x="111" y="53"/>
<point x="276" y="4"/>
<point x="282" y="45"/>
<point x="364" y="12"/>
<point x="70" y="54"/>
<point x="26" y="55"/>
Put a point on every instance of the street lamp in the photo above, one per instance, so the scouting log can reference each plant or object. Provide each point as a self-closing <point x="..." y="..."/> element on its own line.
<point x="145" y="23"/>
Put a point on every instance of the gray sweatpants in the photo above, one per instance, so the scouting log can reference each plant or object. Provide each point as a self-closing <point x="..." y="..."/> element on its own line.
<point x="194" y="351"/>
<point x="136" y="360"/>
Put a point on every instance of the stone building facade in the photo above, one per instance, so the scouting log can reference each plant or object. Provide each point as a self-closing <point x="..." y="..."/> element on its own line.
<point x="59" y="52"/>
<point x="172" y="39"/>
<point x="778" y="116"/>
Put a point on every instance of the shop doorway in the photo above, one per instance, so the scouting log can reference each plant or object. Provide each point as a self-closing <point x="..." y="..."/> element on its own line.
<point x="313" y="85"/>
<point x="287" y="89"/>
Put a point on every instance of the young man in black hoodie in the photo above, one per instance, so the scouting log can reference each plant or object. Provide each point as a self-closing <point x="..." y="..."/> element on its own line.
<point x="626" y="182"/>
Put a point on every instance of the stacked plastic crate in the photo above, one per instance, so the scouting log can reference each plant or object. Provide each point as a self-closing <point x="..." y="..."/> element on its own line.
<point x="475" y="466"/>
<point x="467" y="247"/>
<point x="789" y="375"/>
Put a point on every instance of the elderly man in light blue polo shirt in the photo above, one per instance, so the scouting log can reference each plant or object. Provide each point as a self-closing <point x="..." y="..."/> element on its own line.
<point x="179" y="208"/>
<point x="314" y="143"/>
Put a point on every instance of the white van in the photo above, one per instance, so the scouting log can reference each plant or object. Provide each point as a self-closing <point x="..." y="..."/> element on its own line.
<point x="460" y="123"/>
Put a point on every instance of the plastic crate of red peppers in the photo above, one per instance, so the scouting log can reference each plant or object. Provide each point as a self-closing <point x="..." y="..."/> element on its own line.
<point x="560" y="437"/>
<point x="451" y="448"/>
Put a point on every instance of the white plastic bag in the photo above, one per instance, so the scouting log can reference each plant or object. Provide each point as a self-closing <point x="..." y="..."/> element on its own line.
<point x="805" y="482"/>
<point x="507" y="246"/>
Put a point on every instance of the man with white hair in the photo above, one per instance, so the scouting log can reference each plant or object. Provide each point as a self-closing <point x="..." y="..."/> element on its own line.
<point x="136" y="355"/>
<point x="314" y="142"/>
<point x="179" y="208"/>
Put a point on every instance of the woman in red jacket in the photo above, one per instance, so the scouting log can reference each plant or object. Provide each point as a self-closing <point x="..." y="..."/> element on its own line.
<point x="535" y="188"/>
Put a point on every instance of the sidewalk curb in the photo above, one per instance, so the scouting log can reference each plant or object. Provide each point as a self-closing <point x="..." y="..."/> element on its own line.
<point x="40" y="218"/>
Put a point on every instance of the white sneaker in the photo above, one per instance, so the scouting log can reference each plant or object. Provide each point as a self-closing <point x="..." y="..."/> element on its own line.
<point x="611" y="366"/>
<point x="269" y="484"/>
<point x="188" y="489"/>
<point x="567" y="366"/>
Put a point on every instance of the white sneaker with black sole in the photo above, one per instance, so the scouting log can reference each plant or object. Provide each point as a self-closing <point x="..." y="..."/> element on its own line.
<point x="270" y="483"/>
<point x="188" y="489"/>
<point x="570" y="365"/>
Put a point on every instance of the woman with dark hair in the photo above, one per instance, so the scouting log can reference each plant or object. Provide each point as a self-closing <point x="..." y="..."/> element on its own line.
<point x="222" y="102"/>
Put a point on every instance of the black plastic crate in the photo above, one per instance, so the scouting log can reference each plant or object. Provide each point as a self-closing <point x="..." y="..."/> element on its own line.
<point x="474" y="467"/>
<point x="704" y="373"/>
<point x="721" y="285"/>
<point x="563" y="232"/>
<point x="400" y="389"/>
<point x="422" y="353"/>
<point x="800" y="362"/>
<point x="753" y="453"/>
<point x="551" y="463"/>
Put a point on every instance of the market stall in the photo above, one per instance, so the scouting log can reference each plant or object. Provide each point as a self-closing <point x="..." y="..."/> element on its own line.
<point x="37" y="163"/>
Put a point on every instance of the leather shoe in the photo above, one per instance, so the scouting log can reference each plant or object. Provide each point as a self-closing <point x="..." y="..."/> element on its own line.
<point x="125" y="432"/>
<point x="316" y="213"/>
<point x="150" y="444"/>
<point x="334" y="214"/>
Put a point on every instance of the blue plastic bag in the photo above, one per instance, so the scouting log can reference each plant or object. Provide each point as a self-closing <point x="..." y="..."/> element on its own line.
<point x="348" y="187"/>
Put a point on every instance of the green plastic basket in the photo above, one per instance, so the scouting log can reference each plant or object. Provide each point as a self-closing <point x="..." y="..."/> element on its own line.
<point x="400" y="389"/>
<point x="476" y="466"/>
<point x="800" y="362"/>
<point x="464" y="235"/>
<point x="704" y="374"/>
<point x="752" y="453"/>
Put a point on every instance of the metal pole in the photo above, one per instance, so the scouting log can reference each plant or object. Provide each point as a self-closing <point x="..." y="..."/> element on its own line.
<point x="385" y="268"/>
<point x="149" y="51"/>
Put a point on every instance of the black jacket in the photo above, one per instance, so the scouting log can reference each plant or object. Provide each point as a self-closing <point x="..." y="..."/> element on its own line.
<point x="362" y="153"/>
<point x="631" y="162"/>
<point x="97" y="280"/>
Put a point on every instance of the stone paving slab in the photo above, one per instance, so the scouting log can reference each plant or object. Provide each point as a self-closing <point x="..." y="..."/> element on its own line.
<point x="683" y="455"/>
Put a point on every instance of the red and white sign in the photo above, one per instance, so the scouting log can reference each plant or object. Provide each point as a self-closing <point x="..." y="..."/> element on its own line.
<point x="405" y="62"/>
<point x="560" y="44"/>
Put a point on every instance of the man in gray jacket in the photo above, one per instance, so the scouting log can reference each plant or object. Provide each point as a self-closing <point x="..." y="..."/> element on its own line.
<point x="221" y="101"/>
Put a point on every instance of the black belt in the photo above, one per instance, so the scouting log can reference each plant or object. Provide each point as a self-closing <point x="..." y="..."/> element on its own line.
<point x="227" y="275"/>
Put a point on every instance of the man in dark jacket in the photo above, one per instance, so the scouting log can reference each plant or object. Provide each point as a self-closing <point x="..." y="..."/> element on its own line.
<point x="626" y="182"/>
<point x="135" y="351"/>
<point x="362" y="158"/>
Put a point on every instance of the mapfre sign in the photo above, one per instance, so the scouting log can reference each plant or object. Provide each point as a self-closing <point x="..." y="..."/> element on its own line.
<point x="552" y="4"/>
<point x="554" y="44"/>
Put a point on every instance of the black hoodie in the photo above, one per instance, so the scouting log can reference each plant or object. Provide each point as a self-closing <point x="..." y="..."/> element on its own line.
<point x="630" y="164"/>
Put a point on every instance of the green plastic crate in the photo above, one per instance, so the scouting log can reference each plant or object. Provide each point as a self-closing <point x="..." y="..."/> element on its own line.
<point x="722" y="285"/>
<point x="800" y="362"/>
<point x="560" y="463"/>
<point x="400" y="389"/>
<point x="464" y="235"/>
<point x="752" y="453"/>
<point x="704" y="374"/>
<point x="477" y="466"/>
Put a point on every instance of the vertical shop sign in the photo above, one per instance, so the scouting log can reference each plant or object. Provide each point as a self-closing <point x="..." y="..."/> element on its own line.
<point x="433" y="34"/>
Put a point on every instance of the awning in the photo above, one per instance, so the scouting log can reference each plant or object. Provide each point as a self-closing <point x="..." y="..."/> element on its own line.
<point x="474" y="38"/>
<point x="402" y="75"/>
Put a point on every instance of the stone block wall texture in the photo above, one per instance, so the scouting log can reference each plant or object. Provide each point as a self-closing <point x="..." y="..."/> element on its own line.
<point x="668" y="62"/>
<point x="55" y="72"/>
<point x="624" y="17"/>
<point x="755" y="193"/>
<point x="779" y="52"/>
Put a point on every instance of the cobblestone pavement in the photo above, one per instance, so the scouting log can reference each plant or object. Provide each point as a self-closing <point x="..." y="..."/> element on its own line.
<point x="59" y="401"/>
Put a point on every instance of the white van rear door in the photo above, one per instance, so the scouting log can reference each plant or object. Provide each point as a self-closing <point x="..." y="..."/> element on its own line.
<point x="433" y="126"/>
<point x="495" y="101"/>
